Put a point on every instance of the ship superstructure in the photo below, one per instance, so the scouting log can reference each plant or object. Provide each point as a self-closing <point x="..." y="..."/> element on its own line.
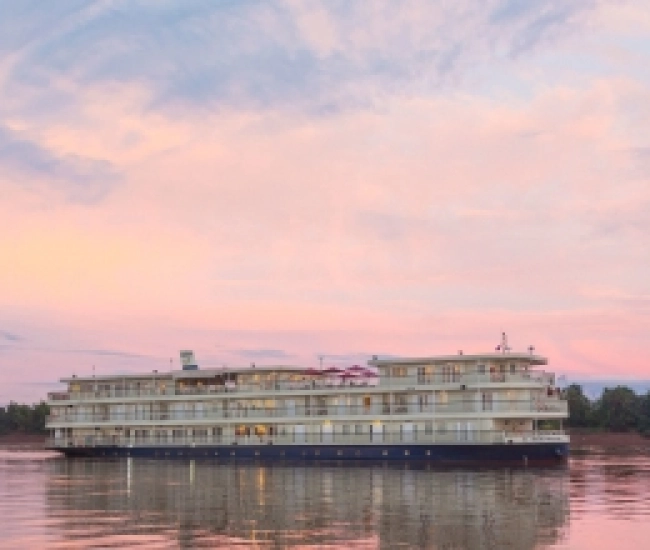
<point x="449" y="408"/>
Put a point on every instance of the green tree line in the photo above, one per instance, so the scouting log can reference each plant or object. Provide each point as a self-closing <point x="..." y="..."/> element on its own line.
<point x="29" y="419"/>
<point x="618" y="409"/>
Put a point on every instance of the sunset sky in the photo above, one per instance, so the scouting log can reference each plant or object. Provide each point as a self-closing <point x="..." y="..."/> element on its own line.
<point x="269" y="181"/>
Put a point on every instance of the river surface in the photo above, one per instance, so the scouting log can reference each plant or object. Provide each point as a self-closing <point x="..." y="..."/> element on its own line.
<point x="599" y="501"/>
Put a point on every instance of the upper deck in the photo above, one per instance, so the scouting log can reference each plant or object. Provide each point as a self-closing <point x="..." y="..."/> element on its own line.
<point x="386" y="374"/>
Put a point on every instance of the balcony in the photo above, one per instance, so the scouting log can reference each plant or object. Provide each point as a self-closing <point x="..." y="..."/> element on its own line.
<point x="448" y="380"/>
<point x="554" y="407"/>
<point x="378" y="436"/>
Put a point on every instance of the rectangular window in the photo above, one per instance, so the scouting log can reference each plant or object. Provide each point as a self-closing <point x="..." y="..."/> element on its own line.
<point x="481" y="369"/>
<point x="358" y="429"/>
<point x="446" y="373"/>
<point x="513" y="368"/>
<point x="456" y="373"/>
<point x="486" y="401"/>
<point x="345" y="429"/>
<point x="428" y="428"/>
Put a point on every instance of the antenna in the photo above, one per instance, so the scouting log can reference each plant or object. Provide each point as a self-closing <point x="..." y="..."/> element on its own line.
<point x="503" y="346"/>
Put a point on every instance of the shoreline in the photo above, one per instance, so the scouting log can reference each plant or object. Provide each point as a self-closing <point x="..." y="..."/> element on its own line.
<point x="608" y="440"/>
<point x="23" y="439"/>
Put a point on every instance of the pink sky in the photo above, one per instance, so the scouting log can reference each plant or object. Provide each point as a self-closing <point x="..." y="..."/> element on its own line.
<point x="273" y="181"/>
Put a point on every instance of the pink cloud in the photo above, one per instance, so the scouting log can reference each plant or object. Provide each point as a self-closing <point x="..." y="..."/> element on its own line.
<point x="426" y="224"/>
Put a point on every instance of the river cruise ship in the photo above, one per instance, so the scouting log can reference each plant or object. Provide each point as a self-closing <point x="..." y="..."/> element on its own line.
<point x="461" y="408"/>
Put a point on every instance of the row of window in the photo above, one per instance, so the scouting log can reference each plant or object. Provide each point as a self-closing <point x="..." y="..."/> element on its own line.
<point x="271" y="430"/>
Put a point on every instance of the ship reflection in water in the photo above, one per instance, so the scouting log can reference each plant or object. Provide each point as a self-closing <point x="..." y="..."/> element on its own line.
<point x="192" y="504"/>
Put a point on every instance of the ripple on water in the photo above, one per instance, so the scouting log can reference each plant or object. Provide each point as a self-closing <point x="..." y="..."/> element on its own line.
<point x="47" y="501"/>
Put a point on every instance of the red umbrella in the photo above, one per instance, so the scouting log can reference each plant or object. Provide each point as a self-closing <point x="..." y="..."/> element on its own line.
<point x="312" y="371"/>
<point x="333" y="370"/>
<point x="357" y="368"/>
<point x="349" y="374"/>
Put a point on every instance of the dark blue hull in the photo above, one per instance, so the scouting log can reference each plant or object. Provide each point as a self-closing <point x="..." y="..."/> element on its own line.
<point x="520" y="454"/>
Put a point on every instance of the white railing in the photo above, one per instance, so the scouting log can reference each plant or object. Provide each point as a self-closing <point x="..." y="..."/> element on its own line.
<point x="450" y="380"/>
<point x="327" y="411"/>
<point x="319" y="438"/>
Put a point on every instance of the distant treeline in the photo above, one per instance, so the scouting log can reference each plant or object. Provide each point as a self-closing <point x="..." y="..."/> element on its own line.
<point x="618" y="409"/>
<point x="28" y="419"/>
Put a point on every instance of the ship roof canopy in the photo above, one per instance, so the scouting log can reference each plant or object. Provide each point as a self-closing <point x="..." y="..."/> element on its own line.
<point x="458" y="358"/>
<point x="186" y="374"/>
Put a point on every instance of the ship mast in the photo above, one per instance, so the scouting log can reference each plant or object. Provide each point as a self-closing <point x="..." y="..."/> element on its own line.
<point x="503" y="346"/>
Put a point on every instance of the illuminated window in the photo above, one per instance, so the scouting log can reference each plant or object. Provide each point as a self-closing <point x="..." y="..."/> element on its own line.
<point x="242" y="430"/>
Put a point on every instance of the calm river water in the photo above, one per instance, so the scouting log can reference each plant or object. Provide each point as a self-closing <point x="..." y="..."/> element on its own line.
<point x="600" y="501"/>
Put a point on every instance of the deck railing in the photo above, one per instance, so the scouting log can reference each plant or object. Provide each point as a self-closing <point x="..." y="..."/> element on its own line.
<point x="318" y="437"/>
<point x="449" y="380"/>
<point x="329" y="411"/>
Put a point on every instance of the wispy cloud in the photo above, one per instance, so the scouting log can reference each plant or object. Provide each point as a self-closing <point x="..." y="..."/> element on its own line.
<point x="262" y="353"/>
<point x="29" y="164"/>
<point x="10" y="336"/>
<point x="289" y="177"/>
<point x="320" y="55"/>
<point x="108" y="353"/>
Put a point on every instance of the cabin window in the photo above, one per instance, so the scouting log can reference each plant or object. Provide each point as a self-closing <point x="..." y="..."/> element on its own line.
<point x="513" y="368"/>
<point x="358" y="429"/>
<point x="345" y="429"/>
<point x="486" y="401"/>
<point x="481" y="369"/>
<point x="428" y="428"/>
<point x="399" y="372"/>
<point x="242" y="431"/>
<point x="446" y="373"/>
